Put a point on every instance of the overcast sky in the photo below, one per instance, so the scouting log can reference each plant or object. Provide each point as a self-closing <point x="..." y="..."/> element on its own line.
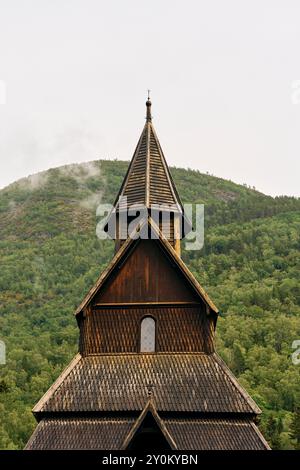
<point x="74" y="75"/>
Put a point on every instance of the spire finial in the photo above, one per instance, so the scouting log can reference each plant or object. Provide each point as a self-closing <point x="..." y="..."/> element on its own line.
<point x="148" y="104"/>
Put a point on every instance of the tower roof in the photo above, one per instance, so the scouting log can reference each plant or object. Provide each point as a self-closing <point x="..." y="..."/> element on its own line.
<point x="148" y="180"/>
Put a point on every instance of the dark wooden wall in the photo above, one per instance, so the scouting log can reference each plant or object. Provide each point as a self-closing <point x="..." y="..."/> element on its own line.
<point x="117" y="329"/>
<point x="147" y="275"/>
<point x="146" y="283"/>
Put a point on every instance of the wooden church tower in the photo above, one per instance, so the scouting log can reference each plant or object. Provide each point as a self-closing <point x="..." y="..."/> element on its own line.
<point x="147" y="375"/>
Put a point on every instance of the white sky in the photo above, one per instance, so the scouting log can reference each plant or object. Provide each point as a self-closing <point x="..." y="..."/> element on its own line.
<point x="221" y="74"/>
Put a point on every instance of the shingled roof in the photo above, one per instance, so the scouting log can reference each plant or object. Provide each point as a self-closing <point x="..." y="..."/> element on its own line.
<point x="80" y="433"/>
<point x="216" y="434"/>
<point x="182" y="382"/>
<point x="148" y="180"/>
<point x="95" y="433"/>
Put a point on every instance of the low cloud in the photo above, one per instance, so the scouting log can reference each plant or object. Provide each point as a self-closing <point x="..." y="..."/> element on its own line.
<point x="81" y="172"/>
<point x="92" y="201"/>
<point x="35" y="181"/>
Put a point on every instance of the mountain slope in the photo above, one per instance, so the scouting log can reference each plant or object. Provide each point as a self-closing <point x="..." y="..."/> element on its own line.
<point x="50" y="256"/>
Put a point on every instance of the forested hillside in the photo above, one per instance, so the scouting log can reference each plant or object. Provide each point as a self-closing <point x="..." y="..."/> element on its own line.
<point x="50" y="256"/>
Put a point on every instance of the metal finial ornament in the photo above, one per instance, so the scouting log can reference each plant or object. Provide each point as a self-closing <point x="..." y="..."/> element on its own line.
<point x="148" y="104"/>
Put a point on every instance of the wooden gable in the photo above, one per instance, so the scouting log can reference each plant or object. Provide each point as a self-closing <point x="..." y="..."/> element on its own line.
<point x="147" y="274"/>
<point x="181" y="277"/>
<point x="149" y="432"/>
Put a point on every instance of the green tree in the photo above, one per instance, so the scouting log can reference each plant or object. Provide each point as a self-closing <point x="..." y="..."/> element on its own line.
<point x="238" y="361"/>
<point x="295" y="427"/>
<point x="273" y="427"/>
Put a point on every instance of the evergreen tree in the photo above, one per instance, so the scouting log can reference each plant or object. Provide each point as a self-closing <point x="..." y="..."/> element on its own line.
<point x="273" y="432"/>
<point x="238" y="361"/>
<point x="295" y="427"/>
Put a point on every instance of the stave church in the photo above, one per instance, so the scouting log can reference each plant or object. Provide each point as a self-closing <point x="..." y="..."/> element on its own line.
<point x="147" y="376"/>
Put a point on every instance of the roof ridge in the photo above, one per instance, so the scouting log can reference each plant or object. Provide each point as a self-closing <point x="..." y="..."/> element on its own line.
<point x="57" y="383"/>
<point x="148" y="156"/>
<point x="134" y="157"/>
<point x="166" y="169"/>
<point x="256" y="429"/>
<point x="157" y="353"/>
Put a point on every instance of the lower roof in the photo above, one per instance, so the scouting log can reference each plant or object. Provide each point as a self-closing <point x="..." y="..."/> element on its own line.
<point x="216" y="434"/>
<point x="185" y="382"/>
<point x="110" y="433"/>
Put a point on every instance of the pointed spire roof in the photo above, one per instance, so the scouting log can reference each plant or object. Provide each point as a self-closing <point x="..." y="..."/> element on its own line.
<point x="148" y="180"/>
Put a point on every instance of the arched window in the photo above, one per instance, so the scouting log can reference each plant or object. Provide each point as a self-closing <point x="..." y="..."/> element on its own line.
<point x="148" y="335"/>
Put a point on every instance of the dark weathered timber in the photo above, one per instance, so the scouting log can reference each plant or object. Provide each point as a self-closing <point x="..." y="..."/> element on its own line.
<point x="120" y="382"/>
<point x="146" y="275"/>
<point x="216" y="434"/>
<point x="110" y="434"/>
<point x="117" y="329"/>
<point x="80" y="433"/>
<point x="122" y="257"/>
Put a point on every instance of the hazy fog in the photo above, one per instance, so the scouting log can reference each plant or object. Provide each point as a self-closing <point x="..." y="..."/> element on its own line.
<point x="223" y="75"/>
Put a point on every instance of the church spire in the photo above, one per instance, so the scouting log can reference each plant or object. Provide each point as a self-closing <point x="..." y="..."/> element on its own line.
<point x="149" y="184"/>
